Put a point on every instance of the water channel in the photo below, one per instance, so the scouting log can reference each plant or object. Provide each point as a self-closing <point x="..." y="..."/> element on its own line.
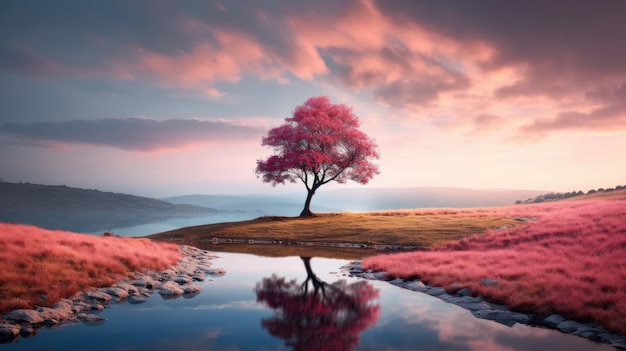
<point x="261" y="304"/>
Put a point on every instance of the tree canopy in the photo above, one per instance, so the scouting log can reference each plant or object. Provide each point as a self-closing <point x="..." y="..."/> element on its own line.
<point x="320" y="143"/>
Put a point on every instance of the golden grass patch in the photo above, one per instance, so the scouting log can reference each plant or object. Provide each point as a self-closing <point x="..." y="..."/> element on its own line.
<point x="409" y="228"/>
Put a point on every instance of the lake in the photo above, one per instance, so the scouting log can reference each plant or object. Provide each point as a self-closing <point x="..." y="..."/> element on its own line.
<point x="175" y="223"/>
<point x="257" y="305"/>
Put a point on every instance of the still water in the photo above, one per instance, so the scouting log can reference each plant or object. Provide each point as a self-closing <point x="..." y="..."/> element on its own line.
<point x="255" y="306"/>
<point x="175" y="223"/>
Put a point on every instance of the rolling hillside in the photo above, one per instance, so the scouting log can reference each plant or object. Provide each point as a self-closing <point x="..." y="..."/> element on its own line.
<point x="359" y="200"/>
<point x="62" y="207"/>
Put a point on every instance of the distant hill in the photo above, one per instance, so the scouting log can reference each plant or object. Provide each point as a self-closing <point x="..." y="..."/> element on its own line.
<point x="287" y="205"/>
<point x="378" y="199"/>
<point x="360" y="200"/>
<point x="81" y="210"/>
<point x="616" y="193"/>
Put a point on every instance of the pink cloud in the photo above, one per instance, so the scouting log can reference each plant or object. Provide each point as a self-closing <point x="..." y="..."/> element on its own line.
<point x="401" y="64"/>
<point x="487" y="122"/>
<point x="606" y="113"/>
<point x="427" y="58"/>
<point x="226" y="60"/>
<point x="231" y="55"/>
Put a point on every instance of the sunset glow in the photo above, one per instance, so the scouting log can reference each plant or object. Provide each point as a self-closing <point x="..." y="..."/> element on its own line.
<point x="173" y="98"/>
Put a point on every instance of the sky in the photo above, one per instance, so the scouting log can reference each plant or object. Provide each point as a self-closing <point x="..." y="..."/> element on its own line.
<point x="164" y="98"/>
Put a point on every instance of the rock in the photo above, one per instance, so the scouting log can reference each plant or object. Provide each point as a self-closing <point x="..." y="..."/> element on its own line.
<point x="397" y="282"/>
<point x="29" y="316"/>
<point x="53" y="315"/>
<point x="586" y="332"/>
<point x="100" y="295"/>
<point x="416" y="285"/>
<point x="170" y="288"/>
<point x="477" y="304"/>
<point x="27" y="332"/>
<point x="568" y="326"/>
<point x="63" y="305"/>
<point x="198" y="276"/>
<point x="169" y="273"/>
<point x="183" y="279"/>
<point x="9" y="332"/>
<point x="192" y="289"/>
<point x="613" y="339"/>
<point x="117" y="292"/>
<point x="91" y="319"/>
<point x="436" y="291"/>
<point x="81" y="306"/>
<point x="553" y="320"/>
<point x="464" y="292"/>
<point x="203" y="266"/>
<point x="145" y="282"/>
<point x="216" y="271"/>
<point x="453" y="288"/>
<point x="137" y="299"/>
<point x="467" y="302"/>
<point x="374" y="275"/>
<point x="504" y="317"/>
<point x="129" y="288"/>
<point x="145" y="292"/>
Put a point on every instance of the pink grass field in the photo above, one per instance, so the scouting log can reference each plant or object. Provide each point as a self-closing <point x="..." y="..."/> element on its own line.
<point x="571" y="261"/>
<point x="37" y="262"/>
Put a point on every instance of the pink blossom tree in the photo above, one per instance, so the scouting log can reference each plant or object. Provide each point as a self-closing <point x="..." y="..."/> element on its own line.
<point x="320" y="143"/>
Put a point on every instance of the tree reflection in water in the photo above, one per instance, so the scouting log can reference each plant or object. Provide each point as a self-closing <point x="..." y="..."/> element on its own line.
<point x="326" y="317"/>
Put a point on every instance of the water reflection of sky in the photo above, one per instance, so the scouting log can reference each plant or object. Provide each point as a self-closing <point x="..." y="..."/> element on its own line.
<point x="226" y="316"/>
<point x="176" y="223"/>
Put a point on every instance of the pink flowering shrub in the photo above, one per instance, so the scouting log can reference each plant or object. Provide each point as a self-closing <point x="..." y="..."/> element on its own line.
<point x="56" y="264"/>
<point x="570" y="261"/>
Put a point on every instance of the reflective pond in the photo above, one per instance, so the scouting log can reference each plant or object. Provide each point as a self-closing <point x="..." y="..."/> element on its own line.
<point x="296" y="303"/>
<point x="174" y="223"/>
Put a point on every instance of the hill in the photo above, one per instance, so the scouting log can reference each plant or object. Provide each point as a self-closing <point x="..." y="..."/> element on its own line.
<point x="601" y="193"/>
<point x="380" y="199"/>
<point x="359" y="200"/>
<point x="83" y="210"/>
<point x="287" y="205"/>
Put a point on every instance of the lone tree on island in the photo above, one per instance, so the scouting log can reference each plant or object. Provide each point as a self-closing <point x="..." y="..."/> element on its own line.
<point x="319" y="144"/>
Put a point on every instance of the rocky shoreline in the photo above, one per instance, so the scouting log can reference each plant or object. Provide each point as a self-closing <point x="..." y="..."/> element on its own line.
<point x="481" y="308"/>
<point x="83" y="307"/>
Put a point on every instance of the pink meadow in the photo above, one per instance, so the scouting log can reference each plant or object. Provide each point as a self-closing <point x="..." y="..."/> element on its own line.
<point x="570" y="261"/>
<point x="50" y="265"/>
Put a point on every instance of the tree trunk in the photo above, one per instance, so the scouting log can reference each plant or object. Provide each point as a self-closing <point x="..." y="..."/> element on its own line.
<point x="306" y="212"/>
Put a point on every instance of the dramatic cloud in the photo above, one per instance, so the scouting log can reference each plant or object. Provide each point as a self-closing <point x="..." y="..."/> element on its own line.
<point x="135" y="134"/>
<point x="607" y="113"/>
<point x="539" y="66"/>
<point x="556" y="54"/>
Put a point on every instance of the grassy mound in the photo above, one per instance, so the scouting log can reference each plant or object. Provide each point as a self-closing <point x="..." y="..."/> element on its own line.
<point x="419" y="228"/>
<point x="40" y="267"/>
<point x="571" y="261"/>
